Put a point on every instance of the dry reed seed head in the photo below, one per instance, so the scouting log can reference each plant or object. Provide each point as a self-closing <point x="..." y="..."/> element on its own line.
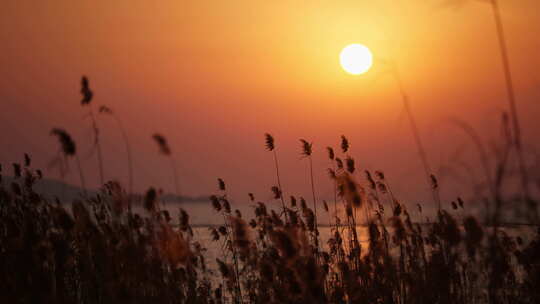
<point x="238" y="213"/>
<point x="331" y="154"/>
<point x="379" y="175"/>
<point x="277" y="192"/>
<point x="17" y="170"/>
<point x="276" y="220"/>
<point x="222" y="230"/>
<point x="307" y="148"/>
<point x="215" y="203"/>
<point x="226" y="204"/>
<point x="85" y="91"/>
<point x="454" y="205"/>
<point x="344" y="144"/>
<point x="350" y="164"/>
<point x="214" y="233"/>
<point x="293" y="217"/>
<point x="473" y="230"/>
<point x="331" y="173"/>
<point x="434" y="182"/>
<point x="162" y="144"/>
<point x="370" y="180"/>
<point x="269" y="142"/>
<point x="449" y="228"/>
<point x="325" y="205"/>
<point x="150" y="200"/>
<point x="351" y="191"/>
<point x="105" y="110"/>
<point x="339" y="163"/>
<point x="27" y="160"/>
<point x="166" y="215"/>
<point x="382" y="187"/>
<point x="293" y="201"/>
<point x="241" y="237"/>
<point x="397" y="209"/>
<point x="400" y="233"/>
<point x="253" y="223"/>
<point x="118" y="195"/>
<point x="374" y="233"/>
<point x="251" y="197"/>
<point x="419" y="208"/>
<point x="66" y="142"/>
<point x="221" y="184"/>
<point x="348" y="210"/>
<point x="173" y="246"/>
<point x="260" y="210"/>
<point x="303" y="204"/>
<point x="461" y="203"/>
<point x="284" y="243"/>
<point x="310" y="219"/>
<point x="183" y="220"/>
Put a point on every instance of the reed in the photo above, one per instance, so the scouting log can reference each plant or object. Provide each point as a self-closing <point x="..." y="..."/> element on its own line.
<point x="512" y="105"/>
<point x="164" y="149"/>
<point x="270" y="146"/>
<point x="108" y="111"/>
<point x="87" y="97"/>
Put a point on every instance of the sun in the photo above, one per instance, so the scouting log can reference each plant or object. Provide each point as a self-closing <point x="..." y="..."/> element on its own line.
<point x="356" y="59"/>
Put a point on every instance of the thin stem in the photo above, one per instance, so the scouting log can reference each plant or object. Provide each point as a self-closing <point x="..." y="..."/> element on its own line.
<point x="512" y="104"/>
<point x="313" y="192"/>
<point x="81" y="175"/>
<point x="484" y="160"/>
<point x="279" y="185"/>
<point x="128" y="154"/>
<point x="335" y="194"/>
<point x="416" y="134"/>
<point x="98" y="146"/>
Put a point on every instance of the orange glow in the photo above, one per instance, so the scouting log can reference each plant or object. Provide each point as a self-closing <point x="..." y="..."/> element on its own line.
<point x="215" y="75"/>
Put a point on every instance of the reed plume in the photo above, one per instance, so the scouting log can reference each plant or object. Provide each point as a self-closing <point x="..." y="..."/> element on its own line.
<point x="307" y="150"/>
<point x="344" y="144"/>
<point x="164" y="149"/>
<point x="68" y="149"/>
<point x="87" y="97"/>
<point x="270" y="146"/>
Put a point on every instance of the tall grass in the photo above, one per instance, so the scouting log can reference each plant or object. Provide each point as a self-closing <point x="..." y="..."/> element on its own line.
<point x="87" y="97"/>
<point x="512" y="104"/>
<point x="97" y="252"/>
<point x="270" y="146"/>
<point x="129" y="158"/>
<point x="164" y="149"/>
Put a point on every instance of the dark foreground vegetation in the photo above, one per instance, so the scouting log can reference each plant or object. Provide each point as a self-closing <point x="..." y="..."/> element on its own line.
<point x="97" y="250"/>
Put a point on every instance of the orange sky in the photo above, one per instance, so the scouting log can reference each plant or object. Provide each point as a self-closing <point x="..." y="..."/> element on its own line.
<point x="213" y="76"/>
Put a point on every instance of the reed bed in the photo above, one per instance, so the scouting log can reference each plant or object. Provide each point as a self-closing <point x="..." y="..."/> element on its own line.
<point x="97" y="250"/>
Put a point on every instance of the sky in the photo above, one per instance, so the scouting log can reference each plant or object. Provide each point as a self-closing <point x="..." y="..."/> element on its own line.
<point x="214" y="76"/>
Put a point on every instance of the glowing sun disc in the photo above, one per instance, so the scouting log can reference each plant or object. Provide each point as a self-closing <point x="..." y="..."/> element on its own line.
<point x="356" y="59"/>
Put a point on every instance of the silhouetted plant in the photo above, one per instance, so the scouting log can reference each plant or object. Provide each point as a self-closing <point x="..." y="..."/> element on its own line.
<point x="86" y="100"/>
<point x="164" y="149"/>
<point x="108" y="111"/>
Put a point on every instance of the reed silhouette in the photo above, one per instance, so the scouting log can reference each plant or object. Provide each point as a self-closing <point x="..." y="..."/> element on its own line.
<point x="164" y="149"/>
<point x="87" y="97"/>
<point x="129" y="158"/>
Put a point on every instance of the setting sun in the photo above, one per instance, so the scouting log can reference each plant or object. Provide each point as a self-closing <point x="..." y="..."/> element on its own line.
<point x="356" y="59"/>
